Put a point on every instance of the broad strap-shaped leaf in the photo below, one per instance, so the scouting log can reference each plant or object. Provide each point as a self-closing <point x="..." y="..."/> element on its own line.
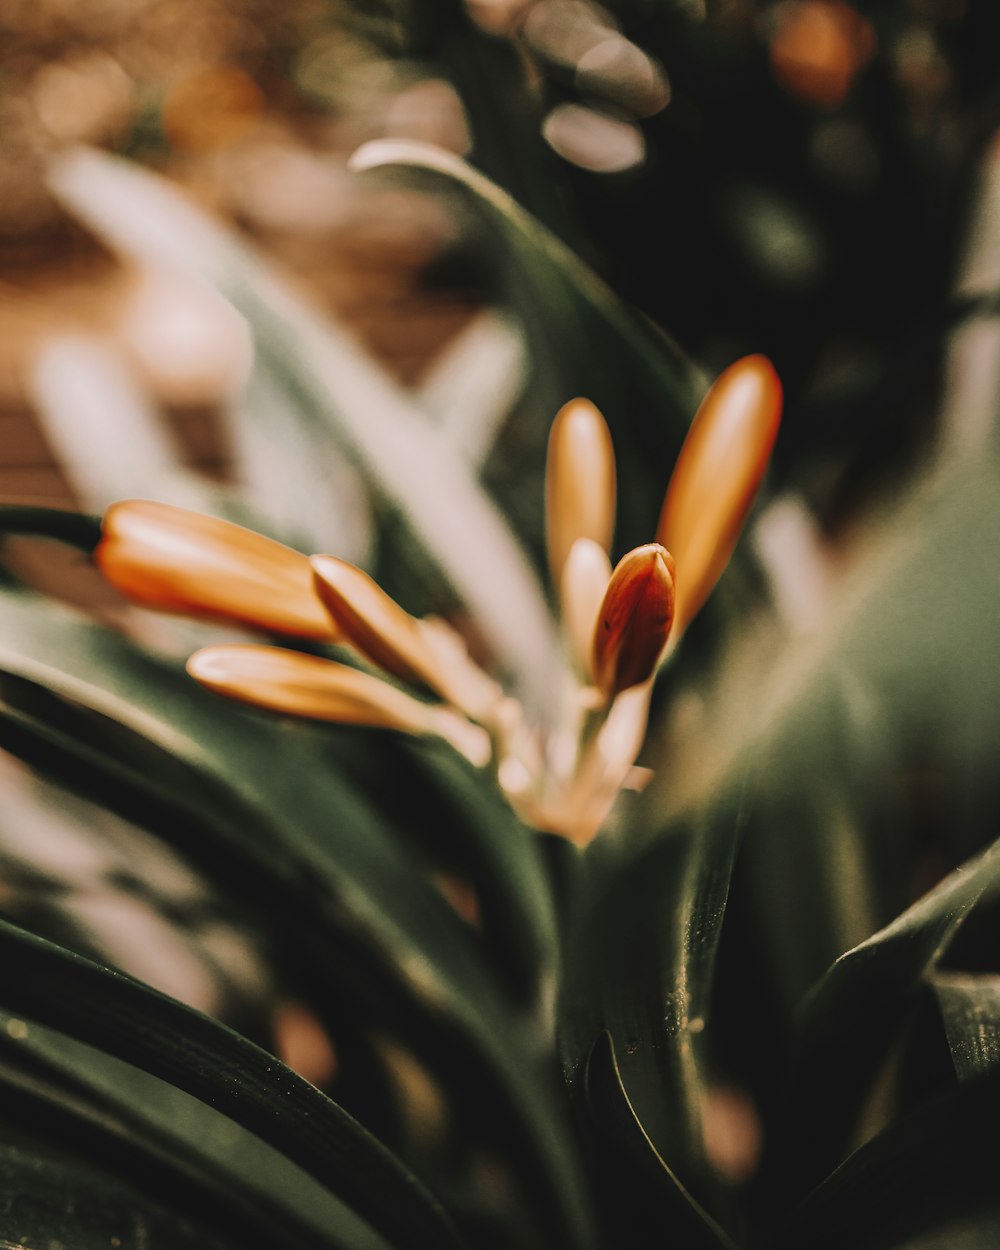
<point x="970" y="1011"/>
<point x="209" y="1061"/>
<point x="295" y="474"/>
<point x="504" y="862"/>
<point x="897" y="684"/>
<point x="647" y="1200"/>
<point x="174" y="1147"/>
<point x="104" y="430"/>
<point x="50" y="1199"/>
<point x="853" y="1016"/>
<point x="257" y="802"/>
<point x="472" y="826"/>
<point x="931" y="1172"/>
<point x="634" y="1016"/>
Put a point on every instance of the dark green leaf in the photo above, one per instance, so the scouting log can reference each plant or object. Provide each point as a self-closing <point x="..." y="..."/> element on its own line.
<point x="255" y="798"/>
<point x="934" y="1169"/>
<point x="640" y="966"/>
<point x="853" y="1017"/>
<point x="970" y="1011"/>
<point x="871" y="739"/>
<point x="443" y="803"/>
<point x="212" y="1063"/>
<point x="647" y="1200"/>
<point x="585" y="340"/>
<point x="174" y="1148"/>
<point x="49" y="1200"/>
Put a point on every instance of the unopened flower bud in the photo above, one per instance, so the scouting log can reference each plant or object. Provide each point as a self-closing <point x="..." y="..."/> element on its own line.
<point x="579" y="482"/>
<point x="716" y="478"/>
<point x="634" y="620"/>
<point x="372" y="622"/>
<point x="184" y="562"/>
<point x="585" y="578"/>
<point x="305" y="685"/>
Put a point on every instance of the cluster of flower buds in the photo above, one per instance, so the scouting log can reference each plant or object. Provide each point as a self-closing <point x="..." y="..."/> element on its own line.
<point x="617" y="622"/>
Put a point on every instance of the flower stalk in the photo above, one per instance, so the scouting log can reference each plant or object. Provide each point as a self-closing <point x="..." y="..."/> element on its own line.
<point x="617" y="622"/>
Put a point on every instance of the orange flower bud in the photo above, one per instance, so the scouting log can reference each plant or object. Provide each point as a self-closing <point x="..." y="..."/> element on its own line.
<point x="716" y="478"/>
<point x="310" y="686"/>
<point x="372" y="622"/>
<point x="178" y="561"/>
<point x="634" y="620"/>
<point x="585" y="578"/>
<point x="579" y="482"/>
<point x="305" y="685"/>
<point x="413" y="650"/>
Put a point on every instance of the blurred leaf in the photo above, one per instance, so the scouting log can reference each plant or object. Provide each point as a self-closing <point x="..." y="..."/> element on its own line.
<point x="295" y="475"/>
<point x="852" y="1018"/>
<point x="335" y="388"/>
<point x="53" y="1200"/>
<point x="212" y="1063"/>
<point x="167" y="1143"/>
<point x="474" y="383"/>
<point x="935" y="1168"/>
<point x="104" y="431"/>
<point x="256" y="802"/>
<point x="979" y="1230"/>
<point x="584" y="340"/>
<point x="473" y="825"/>
<point x="845" y="729"/>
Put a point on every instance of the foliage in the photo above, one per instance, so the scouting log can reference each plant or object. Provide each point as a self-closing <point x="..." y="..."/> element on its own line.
<point x="760" y="1008"/>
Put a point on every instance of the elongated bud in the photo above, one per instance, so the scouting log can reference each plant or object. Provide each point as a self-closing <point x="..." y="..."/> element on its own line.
<point x="716" y="478"/>
<point x="634" y="619"/>
<point x="305" y="685"/>
<point x="183" y="562"/>
<point x="579" y="482"/>
<point x="372" y="622"/>
<point x="408" y="648"/>
<point x="310" y="686"/>
<point x="585" y="578"/>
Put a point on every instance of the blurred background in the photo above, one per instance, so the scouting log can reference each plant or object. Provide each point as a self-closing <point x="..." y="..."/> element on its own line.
<point x="798" y="178"/>
<point x="812" y="179"/>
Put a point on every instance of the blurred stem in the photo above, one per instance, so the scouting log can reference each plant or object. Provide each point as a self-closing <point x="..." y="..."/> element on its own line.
<point x="74" y="528"/>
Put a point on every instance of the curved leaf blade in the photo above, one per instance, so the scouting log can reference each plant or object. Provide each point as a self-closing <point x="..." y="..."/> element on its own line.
<point x="640" y="379"/>
<point x="270" y="804"/>
<point x="640" y="968"/>
<point x="934" y="1169"/>
<point x="853" y="1016"/>
<point x="170" y="1145"/>
<point x="48" y="1199"/>
<point x="209" y="1061"/>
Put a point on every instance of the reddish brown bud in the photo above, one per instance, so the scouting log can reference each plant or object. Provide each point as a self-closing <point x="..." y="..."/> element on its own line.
<point x="634" y="620"/>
